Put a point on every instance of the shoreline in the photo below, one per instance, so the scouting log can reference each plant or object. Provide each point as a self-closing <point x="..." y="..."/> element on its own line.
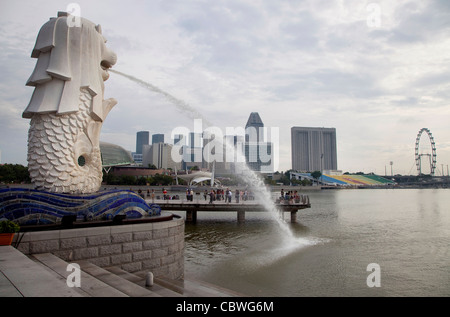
<point x="200" y="189"/>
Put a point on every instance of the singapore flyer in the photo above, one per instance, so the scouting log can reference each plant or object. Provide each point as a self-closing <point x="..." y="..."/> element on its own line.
<point x="425" y="153"/>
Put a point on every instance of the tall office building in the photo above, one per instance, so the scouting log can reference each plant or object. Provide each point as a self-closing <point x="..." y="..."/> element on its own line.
<point x="253" y="128"/>
<point x="190" y="150"/>
<point x="193" y="154"/>
<point x="313" y="149"/>
<point x="157" y="138"/>
<point x="258" y="154"/>
<point x="142" y="138"/>
<point x="159" y="154"/>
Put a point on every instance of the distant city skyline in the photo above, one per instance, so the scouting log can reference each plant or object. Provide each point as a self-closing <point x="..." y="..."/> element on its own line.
<point x="194" y="148"/>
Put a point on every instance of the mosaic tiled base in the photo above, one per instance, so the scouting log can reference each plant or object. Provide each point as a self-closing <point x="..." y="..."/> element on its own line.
<point x="33" y="207"/>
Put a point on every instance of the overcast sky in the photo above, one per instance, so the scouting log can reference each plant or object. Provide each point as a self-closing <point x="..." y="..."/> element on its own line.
<point x="377" y="71"/>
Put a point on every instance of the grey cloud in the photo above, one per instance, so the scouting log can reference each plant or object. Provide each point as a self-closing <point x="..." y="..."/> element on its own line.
<point x="301" y="32"/>
<point x="434" y="79"/>
<point x="406" y="102"/>
<point x="416" y="25"/>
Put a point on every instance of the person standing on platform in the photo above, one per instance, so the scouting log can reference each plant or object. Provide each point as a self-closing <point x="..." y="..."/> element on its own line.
<point x="212" y="194"/>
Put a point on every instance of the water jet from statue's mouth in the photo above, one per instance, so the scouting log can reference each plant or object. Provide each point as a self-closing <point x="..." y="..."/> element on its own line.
<point x="105" y="65"/>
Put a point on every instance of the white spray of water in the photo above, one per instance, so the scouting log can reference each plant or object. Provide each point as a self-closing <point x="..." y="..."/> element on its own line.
<point x="289" y="242"/>
<point x="255" y="183"/>
<point x="180" y="104"/>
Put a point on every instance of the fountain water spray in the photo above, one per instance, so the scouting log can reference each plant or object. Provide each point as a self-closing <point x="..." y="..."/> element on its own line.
<point x="262" y="194"/>
<point x="180" y="104"/>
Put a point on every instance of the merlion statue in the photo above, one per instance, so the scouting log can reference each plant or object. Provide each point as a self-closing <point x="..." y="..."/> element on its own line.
<point x="67" y="109"/>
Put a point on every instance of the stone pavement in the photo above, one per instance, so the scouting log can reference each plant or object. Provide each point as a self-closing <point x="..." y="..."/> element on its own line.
<point x="45" y="275"/>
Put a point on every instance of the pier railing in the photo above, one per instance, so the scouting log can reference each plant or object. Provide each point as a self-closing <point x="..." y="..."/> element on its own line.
<point x="197" y="204"/>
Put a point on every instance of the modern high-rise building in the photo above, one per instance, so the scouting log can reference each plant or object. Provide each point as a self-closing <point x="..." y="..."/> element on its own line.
<point x="142" y="138"/>
<point x="190" y="149"/>
<point x="254" y="128"/>
<point x="157" y="138"/>
<point x="313" y="149"/>
<point x="258" y="153"/>
<point x="193" y="153"/>
<point x="159" y="155"/>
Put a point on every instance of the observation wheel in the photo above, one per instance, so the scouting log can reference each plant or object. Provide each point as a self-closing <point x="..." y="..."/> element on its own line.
<point x="420" y="155"/>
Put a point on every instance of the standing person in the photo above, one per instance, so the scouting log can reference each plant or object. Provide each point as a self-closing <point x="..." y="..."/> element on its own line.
<point x="205" y="194"/>
<point x="229" y="195"/>
<point x="236" y="195"/>
<point x="153" y="196"/>
<point x="211" y="196"/>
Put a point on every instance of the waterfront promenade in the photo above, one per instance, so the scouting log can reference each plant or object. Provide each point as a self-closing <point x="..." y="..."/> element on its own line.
<point x="199" y="204"/>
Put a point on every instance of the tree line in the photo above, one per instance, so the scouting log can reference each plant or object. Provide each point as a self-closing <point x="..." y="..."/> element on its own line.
<point x="14" y="173"/>
<point x="158" y="179"/>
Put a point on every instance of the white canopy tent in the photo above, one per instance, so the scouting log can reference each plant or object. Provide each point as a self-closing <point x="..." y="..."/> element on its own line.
<point x="198" y="177"/>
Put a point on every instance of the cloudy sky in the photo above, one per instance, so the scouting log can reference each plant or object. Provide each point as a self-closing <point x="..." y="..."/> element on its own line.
<point x="377" y="71"/>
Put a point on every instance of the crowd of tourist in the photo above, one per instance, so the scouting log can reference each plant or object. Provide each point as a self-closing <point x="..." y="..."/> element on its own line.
<point x="289" y="196"/>
<point x="219" y="195"/>
<point x="227" y="195"/>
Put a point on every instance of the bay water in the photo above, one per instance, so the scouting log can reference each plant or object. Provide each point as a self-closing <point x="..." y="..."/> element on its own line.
<point x="349" y="238"/>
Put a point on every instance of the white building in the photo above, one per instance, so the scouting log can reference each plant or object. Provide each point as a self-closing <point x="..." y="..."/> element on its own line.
<point x="160" y="155"/>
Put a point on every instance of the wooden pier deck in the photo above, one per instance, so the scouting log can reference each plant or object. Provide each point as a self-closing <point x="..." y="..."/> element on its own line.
<point x="193" y="207"/>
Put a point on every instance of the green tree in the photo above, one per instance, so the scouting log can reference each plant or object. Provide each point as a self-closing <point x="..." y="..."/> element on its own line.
<point x="127" y="180"/>
<point x="141" y="181"/>
<point x="269" y="181"/>
<point x="14" y="173"/>
<point x="306" y="182"/>
<point x="316" y="175"/>
<point x="159" y="179"/>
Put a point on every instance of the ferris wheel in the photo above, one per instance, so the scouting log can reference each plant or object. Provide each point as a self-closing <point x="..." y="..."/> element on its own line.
<point x="420" y="154"/>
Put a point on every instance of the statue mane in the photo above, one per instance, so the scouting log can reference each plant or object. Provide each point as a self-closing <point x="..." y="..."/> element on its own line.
<point x="69" y="58"/>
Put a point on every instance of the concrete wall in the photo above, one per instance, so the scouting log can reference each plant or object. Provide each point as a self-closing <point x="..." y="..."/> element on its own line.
<point x="157" y="247"/>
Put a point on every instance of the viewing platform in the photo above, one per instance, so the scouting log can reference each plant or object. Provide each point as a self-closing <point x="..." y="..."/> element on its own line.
<point x="200" y="205"/>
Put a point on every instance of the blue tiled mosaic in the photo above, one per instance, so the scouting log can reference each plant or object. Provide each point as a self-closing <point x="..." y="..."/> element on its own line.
<point x="31" y="207"/>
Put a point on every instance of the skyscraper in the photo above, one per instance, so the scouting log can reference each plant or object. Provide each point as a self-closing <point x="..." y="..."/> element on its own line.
<point x="253" y="128"/>
<point x="159" y="155"/>
<point x="142" y="138"/>
<point x="157" y="138"/>
<point x="258" y="154"/>
<point x="313" y="149"/>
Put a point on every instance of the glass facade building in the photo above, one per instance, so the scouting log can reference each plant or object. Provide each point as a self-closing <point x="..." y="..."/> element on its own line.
<point x="114" y="155"/>
<point x="142" y="138"/>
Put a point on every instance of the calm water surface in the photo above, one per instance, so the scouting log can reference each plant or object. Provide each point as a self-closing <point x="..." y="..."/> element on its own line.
<point x="405" y="231"/>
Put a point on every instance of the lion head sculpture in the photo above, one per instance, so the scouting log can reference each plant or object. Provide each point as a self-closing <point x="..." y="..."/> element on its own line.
<point x="67" y="108"/>
<point x="69" y="57"/>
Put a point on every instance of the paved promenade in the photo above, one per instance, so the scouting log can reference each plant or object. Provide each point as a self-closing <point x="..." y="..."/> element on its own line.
<point x="45" y="275"/>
